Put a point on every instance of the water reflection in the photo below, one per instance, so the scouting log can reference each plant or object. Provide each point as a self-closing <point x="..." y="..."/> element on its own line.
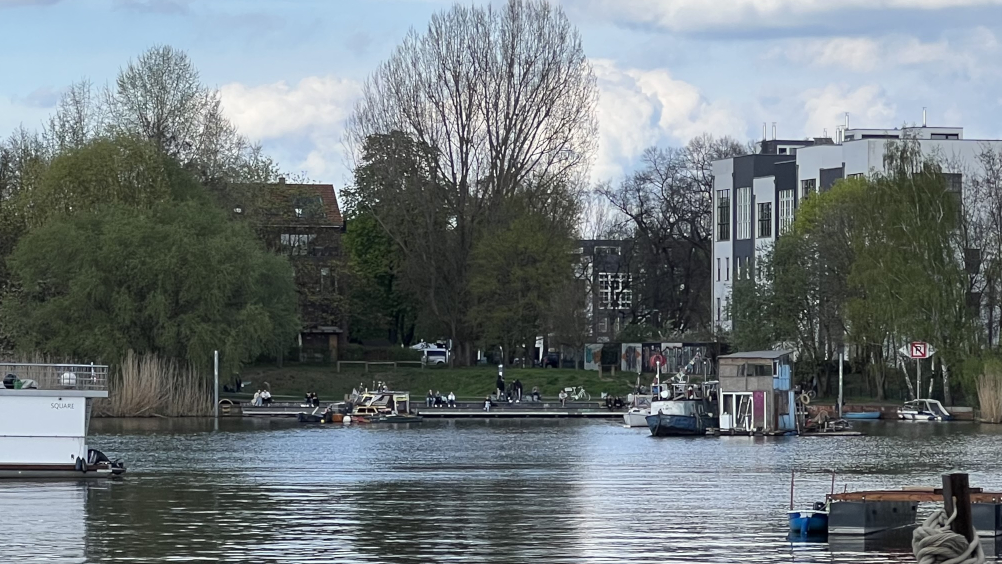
<point x="473" y="491"/>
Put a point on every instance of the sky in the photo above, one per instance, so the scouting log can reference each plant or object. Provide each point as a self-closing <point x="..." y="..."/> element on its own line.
<point x="289" y="71"/>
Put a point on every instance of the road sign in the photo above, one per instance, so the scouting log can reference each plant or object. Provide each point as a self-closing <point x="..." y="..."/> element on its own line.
<point x="657" y="359"/>
<point x="918" y="349"/>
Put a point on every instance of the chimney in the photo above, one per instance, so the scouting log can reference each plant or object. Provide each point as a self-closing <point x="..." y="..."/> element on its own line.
<point x="773" y="131"/>
<point x="847" y="120"/>
<point x="923" y="116"/>
<point x="764" y="137"/>
<point x="824" y="132"/>
<point x="281" y="180"/>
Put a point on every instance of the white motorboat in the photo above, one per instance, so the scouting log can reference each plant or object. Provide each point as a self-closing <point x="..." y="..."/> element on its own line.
<point x="640" y="408"/>
<point x="44" y="416"/>
<point x="924" y="410"/>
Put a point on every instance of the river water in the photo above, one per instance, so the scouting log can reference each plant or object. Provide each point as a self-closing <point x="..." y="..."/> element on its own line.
<point x="469" y="491"/>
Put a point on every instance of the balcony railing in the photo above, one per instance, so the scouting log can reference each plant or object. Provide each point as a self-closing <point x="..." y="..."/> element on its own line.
<point x="84" y="377"/>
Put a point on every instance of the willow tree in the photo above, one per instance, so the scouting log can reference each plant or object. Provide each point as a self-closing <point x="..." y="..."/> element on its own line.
<point x="503" y="99"/>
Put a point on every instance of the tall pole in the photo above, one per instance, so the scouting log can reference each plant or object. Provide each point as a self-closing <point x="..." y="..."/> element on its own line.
<point x="841" y="354"/>
<point x="918" y="377"/>
<point x="215" y="388"/>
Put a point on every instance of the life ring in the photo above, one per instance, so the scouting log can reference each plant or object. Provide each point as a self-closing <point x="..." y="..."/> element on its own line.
<point x="805" y="399"/>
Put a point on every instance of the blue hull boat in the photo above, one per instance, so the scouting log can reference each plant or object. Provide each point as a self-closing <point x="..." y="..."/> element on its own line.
<point x="861" y="415"/>
<point x="662" y="425"/>
<point x="809" y="523"/>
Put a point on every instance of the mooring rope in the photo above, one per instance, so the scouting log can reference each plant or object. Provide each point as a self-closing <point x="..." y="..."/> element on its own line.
<point x="934" y="543"/>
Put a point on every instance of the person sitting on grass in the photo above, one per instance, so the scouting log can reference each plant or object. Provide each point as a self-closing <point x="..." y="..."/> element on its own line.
<point x="452" y="399"/>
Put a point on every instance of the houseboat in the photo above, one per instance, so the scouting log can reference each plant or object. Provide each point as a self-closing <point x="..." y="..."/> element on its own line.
<point x="680" y="408"/>
<point x="45" y="414"/>
<point x="756" y="395"/>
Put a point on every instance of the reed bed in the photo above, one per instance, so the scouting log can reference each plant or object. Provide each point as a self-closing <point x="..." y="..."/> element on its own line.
<point x="990" y="393"/>
<point x="149" y="386"/>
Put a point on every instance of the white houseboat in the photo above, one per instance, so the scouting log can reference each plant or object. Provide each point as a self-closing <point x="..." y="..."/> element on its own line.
<point x="44" y="417"/>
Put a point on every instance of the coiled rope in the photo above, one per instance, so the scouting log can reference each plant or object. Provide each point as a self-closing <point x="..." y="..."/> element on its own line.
<point x="934" y="543"/>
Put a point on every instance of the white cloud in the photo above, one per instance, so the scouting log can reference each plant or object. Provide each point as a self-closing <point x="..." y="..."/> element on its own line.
<point x="640" y="108"/>
<point x="826" y="107"/>
<point x="864" y="54"/>
<point x="699" y="15"/>
<point x="314" y="110"/>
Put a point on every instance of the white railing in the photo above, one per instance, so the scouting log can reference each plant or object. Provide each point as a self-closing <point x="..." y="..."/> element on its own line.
<point x="87" y="377"/>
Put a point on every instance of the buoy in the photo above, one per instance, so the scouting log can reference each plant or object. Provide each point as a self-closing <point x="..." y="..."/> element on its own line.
<point x="346" y="420"/>
<point x="805" y="399"/>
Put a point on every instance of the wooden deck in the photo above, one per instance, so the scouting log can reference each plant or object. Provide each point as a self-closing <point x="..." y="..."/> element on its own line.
<point x="517" y="412"/>
<point x="918" y="495"/>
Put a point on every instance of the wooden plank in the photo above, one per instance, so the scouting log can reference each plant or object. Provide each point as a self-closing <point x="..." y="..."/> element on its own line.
<point x="975" y="496"/>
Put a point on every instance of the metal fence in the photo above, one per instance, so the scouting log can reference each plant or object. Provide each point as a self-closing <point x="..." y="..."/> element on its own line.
<point x="87" y="377"/>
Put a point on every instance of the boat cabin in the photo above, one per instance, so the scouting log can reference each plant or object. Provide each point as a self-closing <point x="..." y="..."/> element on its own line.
<point x="756" y="392"/>
<point x="382" y="403"/>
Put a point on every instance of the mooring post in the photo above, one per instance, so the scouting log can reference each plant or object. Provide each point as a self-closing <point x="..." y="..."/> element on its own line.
<point x="957" y="497"/>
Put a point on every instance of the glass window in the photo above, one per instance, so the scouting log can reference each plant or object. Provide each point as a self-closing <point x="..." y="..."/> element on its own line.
<point x="808" y="187"/>
<point x="765" y="219"/>
<point x="785" y="210"/>
<point x="614" y="290"/>
<point x="723" y="215"/>
<point x="744" y="213"/>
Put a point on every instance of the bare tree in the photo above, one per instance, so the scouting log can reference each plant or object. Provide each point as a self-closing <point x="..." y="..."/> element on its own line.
<point x="504" y="99"/>
<point x="160" y="97"/>
<point x="668" y="203"/>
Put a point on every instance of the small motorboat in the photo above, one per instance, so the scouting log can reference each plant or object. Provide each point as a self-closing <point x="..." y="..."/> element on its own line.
<point x="861" y="415"/>
<point x="924" y="410"/>
<point x="640" y="408"/>
<point x="810" y="522"/>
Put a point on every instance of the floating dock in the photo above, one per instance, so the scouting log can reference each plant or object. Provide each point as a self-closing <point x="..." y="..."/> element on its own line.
<point x="867" y="512"/>
<point x="463" y="410"/>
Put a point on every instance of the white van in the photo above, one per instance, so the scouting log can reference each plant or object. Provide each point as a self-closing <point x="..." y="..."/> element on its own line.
<point x="435" y="356"/>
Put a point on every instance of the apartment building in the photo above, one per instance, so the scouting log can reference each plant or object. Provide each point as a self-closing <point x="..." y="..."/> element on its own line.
<point x="756" y="197"/>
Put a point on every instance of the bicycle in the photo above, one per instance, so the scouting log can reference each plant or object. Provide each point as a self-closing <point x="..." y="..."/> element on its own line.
<point x="577" y="393"/>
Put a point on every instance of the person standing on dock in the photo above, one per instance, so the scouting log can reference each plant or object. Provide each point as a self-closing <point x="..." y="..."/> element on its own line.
<point x="518" y="390"/>
<point x="500" y="386"/>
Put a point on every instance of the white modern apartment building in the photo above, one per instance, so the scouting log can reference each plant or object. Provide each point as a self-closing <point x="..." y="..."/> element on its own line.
<point x="755" y="197"/>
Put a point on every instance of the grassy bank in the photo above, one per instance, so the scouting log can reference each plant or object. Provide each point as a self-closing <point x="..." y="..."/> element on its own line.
<point x="475" y="382"/>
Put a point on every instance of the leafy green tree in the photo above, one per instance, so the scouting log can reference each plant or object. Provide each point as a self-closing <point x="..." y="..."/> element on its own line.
<point x="516" y="271"/>
<point x="178" y="279"/>
<point x="379" y="307"/>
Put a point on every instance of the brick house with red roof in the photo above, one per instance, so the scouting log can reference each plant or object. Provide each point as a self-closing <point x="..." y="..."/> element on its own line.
<point x="304" y="222"/>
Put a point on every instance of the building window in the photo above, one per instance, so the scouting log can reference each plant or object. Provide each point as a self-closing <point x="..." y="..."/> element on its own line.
<point x="603" y="325"/>
<point x="718" y="309"/>
<point x="718" y="270"/>
<point x="723" y="215"/>
<point x="296" y="243"/>
<point x="954" y="182"/>
<point x="743" y="197"/>
<point x="765" y="219"/>
<point x="614" y="290"/>
<point x="600" y="251"/>
<point x="808" y="187"/>
<point x="855" y="175"/>
<point x="727" y="264"/>
<point x="785" y="210"/>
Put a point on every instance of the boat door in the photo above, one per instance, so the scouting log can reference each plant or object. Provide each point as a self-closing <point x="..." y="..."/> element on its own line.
<point x="735" y="410"/>
<point x="758" y="410"/>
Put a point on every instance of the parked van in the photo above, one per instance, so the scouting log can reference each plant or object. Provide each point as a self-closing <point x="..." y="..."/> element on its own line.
<point x="435" y="356"/>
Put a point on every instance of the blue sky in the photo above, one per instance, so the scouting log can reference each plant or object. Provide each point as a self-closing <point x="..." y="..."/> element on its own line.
<point x="289" y="70"/>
